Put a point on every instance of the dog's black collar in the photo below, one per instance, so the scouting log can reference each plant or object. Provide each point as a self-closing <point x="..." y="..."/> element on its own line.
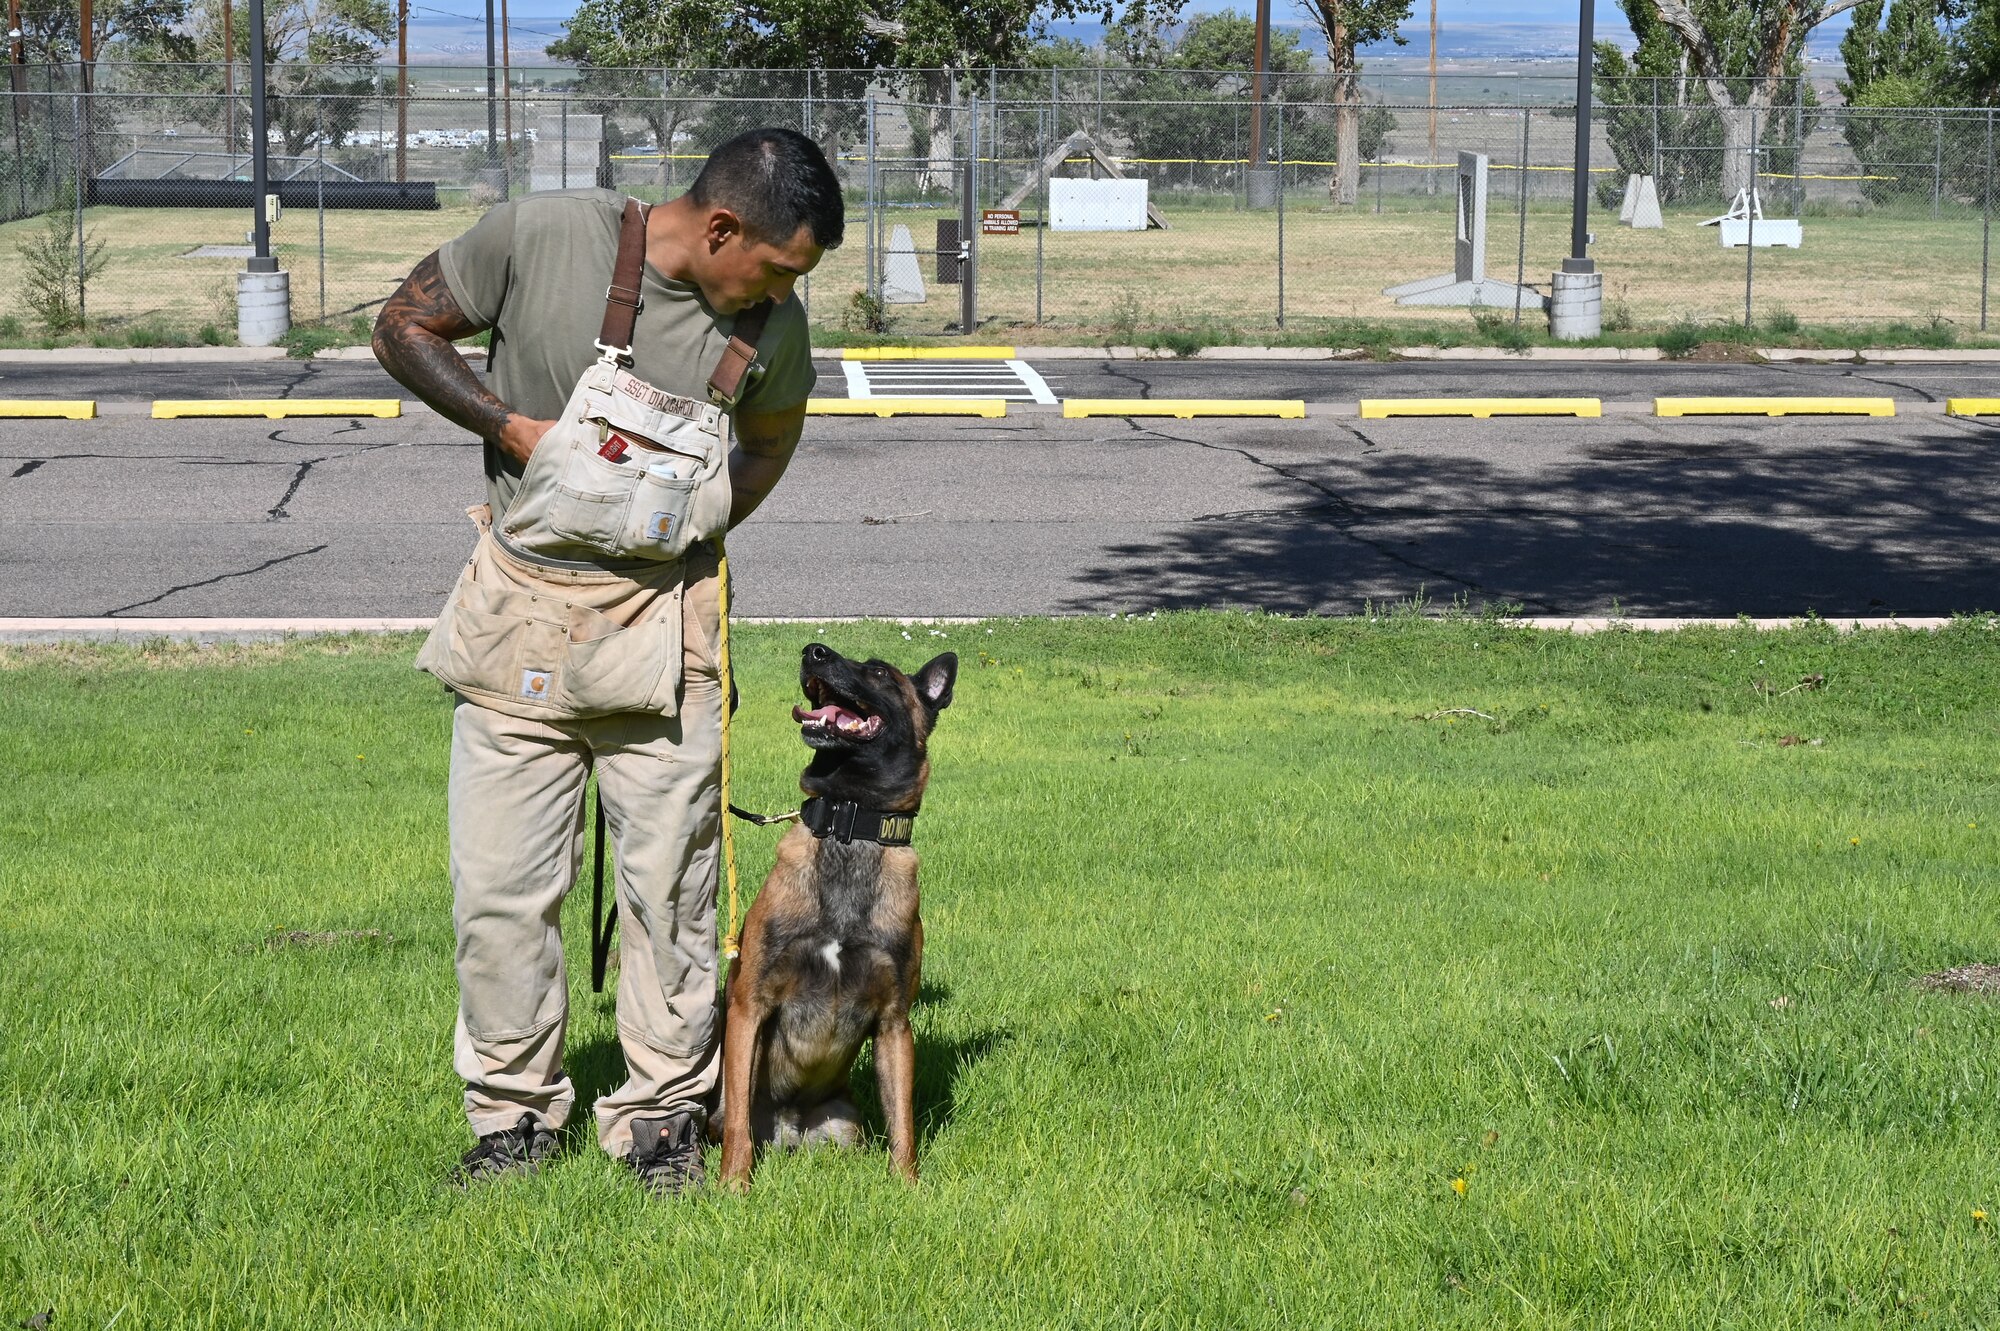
<point x="846" y="821"/>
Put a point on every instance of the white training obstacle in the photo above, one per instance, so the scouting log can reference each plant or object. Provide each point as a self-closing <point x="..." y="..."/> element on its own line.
<point x="902" y="276"/>
<point x="1745" y="224"/>
<point x="1641" y="207"/>
<point x="1467" y="283"/>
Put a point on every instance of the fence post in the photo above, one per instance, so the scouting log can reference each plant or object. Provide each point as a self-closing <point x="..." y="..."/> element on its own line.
<point x="1656" y="135"/>
<point x="1042" y="221"/>
<point x="1281" y="213"/>
<point x="319" y="138"/>
<point x="1521" y="246"/>
<point x="82" y="275"/>
<point x="1798" y="152"/>
<point x="1937" y="172"/>
<point x="1750" y="232"/>
<point x="873" y="285"/>
<point x="1986" y="224"/>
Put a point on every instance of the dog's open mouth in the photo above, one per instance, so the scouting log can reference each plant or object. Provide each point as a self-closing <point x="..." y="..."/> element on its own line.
<point x="832" y="717"/>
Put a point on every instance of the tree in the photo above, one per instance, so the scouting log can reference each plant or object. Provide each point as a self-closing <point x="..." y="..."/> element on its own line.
<point x="52" y="33"/>
<point x="1895" y="63"/>
<point x="1744" y="52"/>
<point x="627" y="47"/>
<point x="1347" y="26"/>
<point x="1975" y="51"/>
<point x="1176" y="102"/>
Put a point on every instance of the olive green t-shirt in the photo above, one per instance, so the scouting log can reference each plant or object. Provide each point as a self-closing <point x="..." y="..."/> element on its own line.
<point x="535" y="270"/>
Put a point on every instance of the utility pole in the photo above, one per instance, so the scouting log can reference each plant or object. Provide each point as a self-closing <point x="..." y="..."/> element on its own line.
<point x="228" y="77"/>
<point x="494" y="176"/>
<point x="1430" y="177"/>
<point x="507" y="95"/>
<point x="17" y="82"/>
<point x="1576" y="301"/>
<point x="263" y="293"/>
<point x="1260" y="182"/>
<point x="402" y="89"/>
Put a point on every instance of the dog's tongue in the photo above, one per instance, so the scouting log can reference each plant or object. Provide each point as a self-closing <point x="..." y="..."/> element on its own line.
<point x="836" y="718"/>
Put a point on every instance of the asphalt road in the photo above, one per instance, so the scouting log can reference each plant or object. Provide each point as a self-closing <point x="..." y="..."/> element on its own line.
<point x="1312" y="381"/>
<point x="126" y="516"/>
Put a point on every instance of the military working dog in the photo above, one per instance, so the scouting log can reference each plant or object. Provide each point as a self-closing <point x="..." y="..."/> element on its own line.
<point x="833" y="944"/>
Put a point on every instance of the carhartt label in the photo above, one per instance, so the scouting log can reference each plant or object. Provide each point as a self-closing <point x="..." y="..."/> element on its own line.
<point x="660" y="527"/>
<point x="657" y="398"/>
<point x="534" y="684"/>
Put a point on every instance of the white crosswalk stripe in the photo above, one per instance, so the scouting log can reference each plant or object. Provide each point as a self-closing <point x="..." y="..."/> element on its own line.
<point x="1008" y="380"/>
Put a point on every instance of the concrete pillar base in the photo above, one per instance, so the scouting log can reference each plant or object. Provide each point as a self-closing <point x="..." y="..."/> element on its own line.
<point x="1576" y="306"/>
<point x="263" y="308"/>
<point x="1261" y="186"/>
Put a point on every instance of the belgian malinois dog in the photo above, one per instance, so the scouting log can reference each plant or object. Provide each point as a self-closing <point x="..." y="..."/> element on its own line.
<point x="832" y="946"/>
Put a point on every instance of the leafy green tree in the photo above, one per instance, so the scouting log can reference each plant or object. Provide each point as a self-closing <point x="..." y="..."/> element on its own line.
<point x="1349" y="25"/>
<point x="51" y="33"/>
<point x="1896" y="62"/>
<point x="1975" y="51"/>
<point x="1748" y="56"/>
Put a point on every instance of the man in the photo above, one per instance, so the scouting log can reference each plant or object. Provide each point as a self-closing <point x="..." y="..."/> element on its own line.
<point x="584" y="622"/>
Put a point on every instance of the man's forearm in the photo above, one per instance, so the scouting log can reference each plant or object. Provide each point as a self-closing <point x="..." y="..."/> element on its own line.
<point x="424" y="360"/>
<point x="764" y="447"/>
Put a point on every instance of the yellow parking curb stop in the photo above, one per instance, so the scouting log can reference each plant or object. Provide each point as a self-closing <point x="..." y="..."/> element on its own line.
<point x="1774" y="406"/>
<point x="1480" y="408"/>
<point x="928" y="353"/>
<point x="1187" y="408"/>
<point x="1973" y="406"/>
<point x="906" y="406"/>
<point x="278" y="408"/>
<point x="47" y="409"/>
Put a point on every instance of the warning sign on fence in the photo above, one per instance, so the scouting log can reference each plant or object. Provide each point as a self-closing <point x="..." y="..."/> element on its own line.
<point x="1000" y="222"/>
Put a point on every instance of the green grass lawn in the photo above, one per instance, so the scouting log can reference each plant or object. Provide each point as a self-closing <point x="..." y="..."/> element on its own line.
<point x="1258" y="993"/>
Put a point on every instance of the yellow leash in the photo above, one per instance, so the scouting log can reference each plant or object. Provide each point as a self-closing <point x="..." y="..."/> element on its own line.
<point x="731" y="941"/>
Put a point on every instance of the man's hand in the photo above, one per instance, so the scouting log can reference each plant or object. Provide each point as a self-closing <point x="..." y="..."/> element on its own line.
<point x="413" y="340"/>
<point x="765" y="441"/>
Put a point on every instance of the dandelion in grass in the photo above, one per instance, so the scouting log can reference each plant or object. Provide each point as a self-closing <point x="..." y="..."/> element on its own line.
<point x="1979" y="1217"/>
<point x="1854" y="841"/>
<point x="1459" y="1185"/>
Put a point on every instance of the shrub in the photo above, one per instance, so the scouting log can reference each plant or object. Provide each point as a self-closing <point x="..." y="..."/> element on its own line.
<point x="53" y="274"/>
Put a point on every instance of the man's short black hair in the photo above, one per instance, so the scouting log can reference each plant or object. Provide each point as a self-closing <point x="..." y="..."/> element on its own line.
<point x="776" y="181"/>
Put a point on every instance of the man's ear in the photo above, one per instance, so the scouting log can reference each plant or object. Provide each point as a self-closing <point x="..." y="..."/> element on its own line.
<point x="934" y="681"/>
<point x="723" y="226"/>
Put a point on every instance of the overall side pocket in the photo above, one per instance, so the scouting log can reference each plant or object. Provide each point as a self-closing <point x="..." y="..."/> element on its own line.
<point x="613" y="669"/>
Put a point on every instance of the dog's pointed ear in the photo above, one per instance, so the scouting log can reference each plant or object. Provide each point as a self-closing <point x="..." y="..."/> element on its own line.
<point x="934" y="681"/>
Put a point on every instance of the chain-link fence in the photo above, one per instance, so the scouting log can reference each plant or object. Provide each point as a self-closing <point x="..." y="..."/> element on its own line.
<point x="130" y="209"/>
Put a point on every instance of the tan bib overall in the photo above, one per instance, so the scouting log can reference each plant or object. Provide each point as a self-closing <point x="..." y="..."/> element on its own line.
<point x="582" y="635"/>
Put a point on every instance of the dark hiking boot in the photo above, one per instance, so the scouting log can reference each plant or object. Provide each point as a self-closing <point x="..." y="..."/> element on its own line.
<point x="666" y="1154"/>
<point x="516" y="1150"/>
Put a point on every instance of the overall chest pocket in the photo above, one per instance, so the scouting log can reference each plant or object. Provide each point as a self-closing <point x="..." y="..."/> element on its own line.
<point x="630" y="496"/>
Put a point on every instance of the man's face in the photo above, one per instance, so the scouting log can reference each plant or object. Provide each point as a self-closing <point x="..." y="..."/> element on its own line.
<point x="739" y="270"/>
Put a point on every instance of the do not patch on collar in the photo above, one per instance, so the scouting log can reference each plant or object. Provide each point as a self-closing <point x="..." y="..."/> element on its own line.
<point x="846" y="822"/>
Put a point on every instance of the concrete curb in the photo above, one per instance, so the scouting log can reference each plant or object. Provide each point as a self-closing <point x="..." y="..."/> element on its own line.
<point x="140" y="355"/>
<point x="47" y="632"/>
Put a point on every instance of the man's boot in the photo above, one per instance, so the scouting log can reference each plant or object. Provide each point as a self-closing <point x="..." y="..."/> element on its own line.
<point x="666" y="1154"/>
<point x="516" y="1150"/>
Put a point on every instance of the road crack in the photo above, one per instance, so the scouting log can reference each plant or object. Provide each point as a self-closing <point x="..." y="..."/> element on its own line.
<point x="220" y="577"/>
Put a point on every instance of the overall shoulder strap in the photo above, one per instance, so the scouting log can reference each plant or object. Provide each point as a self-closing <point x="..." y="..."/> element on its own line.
<point x="622" y="299"/>
<point x="725" y="385"/>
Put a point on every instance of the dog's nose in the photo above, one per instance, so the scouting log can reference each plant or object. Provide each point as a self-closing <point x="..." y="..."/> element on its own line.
<point x="818" y="652"/>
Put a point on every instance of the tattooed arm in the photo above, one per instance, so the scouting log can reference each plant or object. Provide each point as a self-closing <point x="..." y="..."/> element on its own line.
<point x="413" y="340"/>
<point x="764" y="444"/>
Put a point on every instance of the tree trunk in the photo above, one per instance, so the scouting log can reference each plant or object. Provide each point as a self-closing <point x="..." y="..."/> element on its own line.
<point x="1736" y="145"/>
<point x="1347" y="150"/>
